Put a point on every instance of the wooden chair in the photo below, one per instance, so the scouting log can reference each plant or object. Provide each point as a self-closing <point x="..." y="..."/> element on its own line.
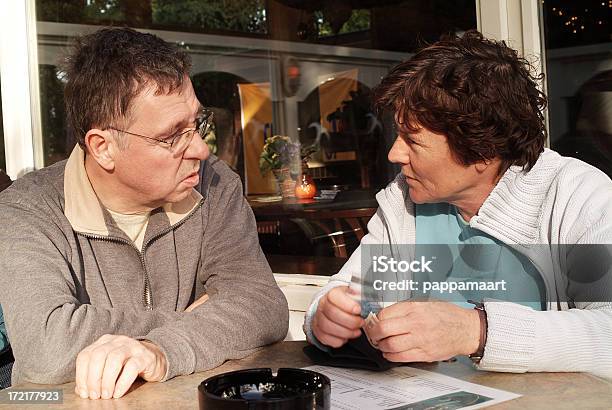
<point x="337" y="225"/>
<point x="268" y="227"/>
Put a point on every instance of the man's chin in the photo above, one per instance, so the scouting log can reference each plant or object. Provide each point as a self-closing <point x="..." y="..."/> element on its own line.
<point x="179" y="195"/>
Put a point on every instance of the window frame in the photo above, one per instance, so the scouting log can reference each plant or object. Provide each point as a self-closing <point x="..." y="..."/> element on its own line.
<point x="20" y="87"/>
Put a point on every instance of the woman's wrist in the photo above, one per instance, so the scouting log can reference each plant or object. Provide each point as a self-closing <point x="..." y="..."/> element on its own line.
<point x="480" y="315"/>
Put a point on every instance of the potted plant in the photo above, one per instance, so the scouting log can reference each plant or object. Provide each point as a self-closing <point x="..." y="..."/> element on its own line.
<point x="285" y="159"/>
<point x="280" y="155"/>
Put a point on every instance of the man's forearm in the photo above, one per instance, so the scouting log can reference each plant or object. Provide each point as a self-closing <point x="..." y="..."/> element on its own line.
<point x="230" y="325"/>
<point x="46" y="348"/>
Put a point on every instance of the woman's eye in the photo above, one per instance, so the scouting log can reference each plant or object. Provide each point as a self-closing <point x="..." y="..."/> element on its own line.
<point x="409" y="140"/>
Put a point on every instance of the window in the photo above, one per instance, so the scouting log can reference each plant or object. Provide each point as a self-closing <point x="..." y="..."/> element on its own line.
<point x="298" y="69"/>
<point x="579" y="78"/>
<point x="222" y="16"/>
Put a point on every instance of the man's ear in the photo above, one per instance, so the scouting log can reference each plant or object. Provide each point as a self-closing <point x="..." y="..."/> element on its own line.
<point x="102" y="147"/>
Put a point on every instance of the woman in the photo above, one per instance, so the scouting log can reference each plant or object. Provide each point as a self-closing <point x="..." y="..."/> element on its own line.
<point x="470" y="144"/>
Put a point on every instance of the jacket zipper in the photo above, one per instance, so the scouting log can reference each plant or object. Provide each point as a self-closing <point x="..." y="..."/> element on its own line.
<point x="146" y="294"/>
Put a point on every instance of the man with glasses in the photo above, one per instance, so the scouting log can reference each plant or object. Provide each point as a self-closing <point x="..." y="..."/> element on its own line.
<point x="116" y="267"/>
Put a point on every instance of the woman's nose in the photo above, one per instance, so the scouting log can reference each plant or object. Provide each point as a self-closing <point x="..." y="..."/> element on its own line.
<point x="398" y="154"/>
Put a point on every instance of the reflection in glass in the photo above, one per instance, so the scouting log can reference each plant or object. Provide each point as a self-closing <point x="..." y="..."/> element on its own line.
<point x="383" y="24"/>
<point x="246" y="16"/>
<point x="579" y="76"/>
<point x="56" y="143"/>
<point x="301" y="69"/>
<point x="590" y="134"/>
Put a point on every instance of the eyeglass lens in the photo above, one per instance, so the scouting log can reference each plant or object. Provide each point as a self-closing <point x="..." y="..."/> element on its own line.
<point x="183" y="140"/>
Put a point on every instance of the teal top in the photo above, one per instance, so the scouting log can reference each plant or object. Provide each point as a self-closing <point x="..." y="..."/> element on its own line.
<point x="466" y="254"/>
<point x="3" y="338"/>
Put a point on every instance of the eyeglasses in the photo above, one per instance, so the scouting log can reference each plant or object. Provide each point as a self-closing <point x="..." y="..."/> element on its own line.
<point x="179" y="142"/>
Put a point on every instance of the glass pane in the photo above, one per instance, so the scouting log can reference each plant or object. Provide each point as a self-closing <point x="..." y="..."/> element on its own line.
<point x="244" y="16"/>
<point x="241" y="16"/>
<point x="579" y="77"/>
<point x="385" y="25"/>
<point x="301" y="70"/>
<point x="56" y="143"/>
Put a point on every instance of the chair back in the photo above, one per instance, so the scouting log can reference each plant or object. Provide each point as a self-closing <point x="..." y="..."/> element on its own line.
<point x="5" y="180"/>
<point x="6" y="367"/>
<point x="337" y="226"/>
<point x="6" y="359"/>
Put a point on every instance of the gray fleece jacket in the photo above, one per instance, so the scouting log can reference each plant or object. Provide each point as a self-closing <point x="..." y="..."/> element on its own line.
<point x="69" y="275"/>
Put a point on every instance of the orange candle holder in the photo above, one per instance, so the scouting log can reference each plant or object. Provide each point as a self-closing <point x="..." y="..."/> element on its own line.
<point x="305" y="188"/>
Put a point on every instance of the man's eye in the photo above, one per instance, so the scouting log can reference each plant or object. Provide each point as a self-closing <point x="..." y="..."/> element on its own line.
<point x="182" y="132"/>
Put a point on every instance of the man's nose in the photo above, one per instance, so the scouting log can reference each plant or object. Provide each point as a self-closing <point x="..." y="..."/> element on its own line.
<point x="397" y="153"/>
<point x="197" y="149"/>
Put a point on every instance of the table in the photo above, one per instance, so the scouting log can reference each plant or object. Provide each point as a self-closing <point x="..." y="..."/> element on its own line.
<point x="296" y="208"/>
<point x="314" y="228"/>
<point x="539" y="390"/>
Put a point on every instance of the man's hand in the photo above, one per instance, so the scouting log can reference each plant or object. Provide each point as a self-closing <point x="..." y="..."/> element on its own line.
<point x="108" y="367"/>
<point x="426" y="331"/>
<point x="337" y="318"/>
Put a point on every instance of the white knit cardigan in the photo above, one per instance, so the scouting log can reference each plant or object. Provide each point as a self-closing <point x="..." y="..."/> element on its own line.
<point x="559" y="201"/>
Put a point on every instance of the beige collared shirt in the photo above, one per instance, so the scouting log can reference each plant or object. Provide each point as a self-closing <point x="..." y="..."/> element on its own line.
<point x="134" y="225"/>
<point x="84" y="211"/>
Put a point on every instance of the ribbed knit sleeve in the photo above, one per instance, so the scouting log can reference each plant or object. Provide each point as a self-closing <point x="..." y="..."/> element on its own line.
<point x="511" y="336"/>
<point x="520" y="339"/>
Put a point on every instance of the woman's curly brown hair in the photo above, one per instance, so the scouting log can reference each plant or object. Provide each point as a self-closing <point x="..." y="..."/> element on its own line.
<point x="477" y="92"/>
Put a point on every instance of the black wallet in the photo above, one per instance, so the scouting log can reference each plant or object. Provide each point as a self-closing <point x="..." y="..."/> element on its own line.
<point x="356" y="354"/>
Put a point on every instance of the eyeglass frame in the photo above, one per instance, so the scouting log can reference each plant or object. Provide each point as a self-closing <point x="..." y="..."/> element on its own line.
<point x="206" y="121"/>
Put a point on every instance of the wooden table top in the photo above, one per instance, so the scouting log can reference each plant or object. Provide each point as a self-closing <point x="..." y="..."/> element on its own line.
<point x="539" y="390"/>
<point x="299" y="208"/>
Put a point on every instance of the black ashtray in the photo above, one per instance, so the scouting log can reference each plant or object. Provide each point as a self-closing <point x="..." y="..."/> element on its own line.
<point x="260" y="389"/>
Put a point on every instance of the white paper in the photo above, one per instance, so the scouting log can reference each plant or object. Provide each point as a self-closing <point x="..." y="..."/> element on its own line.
<point x="406" y="388"/>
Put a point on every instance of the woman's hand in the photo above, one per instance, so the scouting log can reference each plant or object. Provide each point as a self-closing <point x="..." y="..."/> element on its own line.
<point x="425" y="331"/>
<point x="337" y="318"/>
